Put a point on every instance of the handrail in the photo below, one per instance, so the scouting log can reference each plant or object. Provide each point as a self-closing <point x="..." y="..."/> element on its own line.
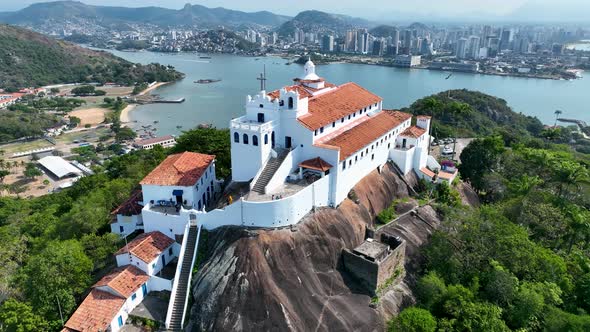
<point x="253" y="182"/>
<point x="177" y="275"/>
<point x="190" y="276"/>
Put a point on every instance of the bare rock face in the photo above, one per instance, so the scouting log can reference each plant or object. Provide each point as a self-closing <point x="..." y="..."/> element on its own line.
<point x="291" y="279"/>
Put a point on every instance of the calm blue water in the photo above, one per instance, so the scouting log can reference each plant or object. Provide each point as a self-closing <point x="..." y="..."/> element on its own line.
<point x="217" y="103"/>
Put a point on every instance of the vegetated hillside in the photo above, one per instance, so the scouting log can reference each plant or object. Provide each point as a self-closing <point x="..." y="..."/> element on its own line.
<point x="318" y="21"/>
<point x="284" y="280"/>
<point x="31" y="59"/>
<point x="383" y="31"/>
<point x="465" y="113"/>
<point x="106" y="16"/>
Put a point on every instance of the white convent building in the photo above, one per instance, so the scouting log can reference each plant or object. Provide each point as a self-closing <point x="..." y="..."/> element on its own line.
<point x="298" y="148"/>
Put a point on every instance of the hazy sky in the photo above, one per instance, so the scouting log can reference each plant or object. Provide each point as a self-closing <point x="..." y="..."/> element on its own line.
<point x="376" y="9"/>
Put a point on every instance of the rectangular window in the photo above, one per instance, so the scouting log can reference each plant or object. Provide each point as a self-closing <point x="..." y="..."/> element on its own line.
<point x="121" y="229"/>
<point x="315" y="133"/>
<point x="356" y="158"/>
<point x="342" y="120"/>
<point x="170" y="251"/>
<point x="133" y="297"/>
<point x="120" y="321"/>
<point x="344" y="165"/>
<point x="333" y="124"/>
<point x="154" y="266"/>
<point x="322" y="130"/>
<point x="372" y="157"/>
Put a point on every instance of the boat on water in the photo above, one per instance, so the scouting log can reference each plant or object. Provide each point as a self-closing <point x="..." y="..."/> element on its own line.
<point x="204" y="57"/>
<point x="156" y="121"/>
<point x="208" y="80"/>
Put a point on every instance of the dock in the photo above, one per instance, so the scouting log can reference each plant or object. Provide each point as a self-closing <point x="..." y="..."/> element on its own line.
<point x="168" y="101"/>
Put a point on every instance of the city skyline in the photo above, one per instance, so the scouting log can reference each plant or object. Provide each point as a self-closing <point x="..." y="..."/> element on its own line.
<point x="464" y="10"/>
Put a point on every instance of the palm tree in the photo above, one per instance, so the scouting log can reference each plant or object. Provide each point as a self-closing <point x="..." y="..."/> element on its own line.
<point x="557" y="114"/>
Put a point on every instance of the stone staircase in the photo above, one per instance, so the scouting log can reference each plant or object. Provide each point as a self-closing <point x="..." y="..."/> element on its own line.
<point x="179" y="305"/>
<point x="269" y="170"/>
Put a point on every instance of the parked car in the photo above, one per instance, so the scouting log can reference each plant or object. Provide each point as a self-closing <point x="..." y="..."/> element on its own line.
<point x="447" y="150"/>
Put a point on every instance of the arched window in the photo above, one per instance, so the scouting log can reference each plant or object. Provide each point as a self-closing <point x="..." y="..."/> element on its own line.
<point x="245" y="139"/>
<point x="236" y="137"/>
<point x="272" y="139"/>
<point x="290" y="102"/>
<point x="254" y="140"/>
<point x="265" y="139"/>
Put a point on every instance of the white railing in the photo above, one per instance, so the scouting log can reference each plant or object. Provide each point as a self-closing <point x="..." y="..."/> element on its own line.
<point x="190" y="276"/>
<point x="243" y="124"/>
<point x="177" y="276"/>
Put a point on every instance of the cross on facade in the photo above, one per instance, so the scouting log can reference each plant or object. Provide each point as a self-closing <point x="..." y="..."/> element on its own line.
<point x="262" y="79"/>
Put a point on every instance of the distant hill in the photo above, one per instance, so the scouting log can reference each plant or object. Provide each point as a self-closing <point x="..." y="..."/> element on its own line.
<point x="383" y="31"/>
<point x="29" y="59"/>
<point x="317" y="21"/>
<point x="464" y="113"/>
<point x="105" y="16"/>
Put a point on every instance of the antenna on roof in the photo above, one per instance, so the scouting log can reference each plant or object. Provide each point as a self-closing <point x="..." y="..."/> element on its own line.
<point x="262" y="79"/>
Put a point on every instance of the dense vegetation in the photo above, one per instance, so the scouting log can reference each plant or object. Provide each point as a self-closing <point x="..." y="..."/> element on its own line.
<point x="464" y="113"/>
<point x="53" y="248"/>
<point x="32" y="116"/>
<point x="521" y="261"/>
<point x="31" y="59"/>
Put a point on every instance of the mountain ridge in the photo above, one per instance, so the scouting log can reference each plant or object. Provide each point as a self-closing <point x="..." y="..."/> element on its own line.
<point x="39" y="13"/>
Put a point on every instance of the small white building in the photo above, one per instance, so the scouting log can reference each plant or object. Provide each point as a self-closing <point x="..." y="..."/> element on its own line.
<point x="110" y="301"/>
<point x="149" y="252"/>
<point x="127" y="216"/>
<point x="164" y="141"/>
<point x="182" y="181"/>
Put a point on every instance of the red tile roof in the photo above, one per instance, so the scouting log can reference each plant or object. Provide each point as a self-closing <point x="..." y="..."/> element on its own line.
<point x="413" y="131"/>
<point x="303" y="91"/>
<point x="131" y="206"/>
<point x="182" y="169"/>
<point x="336" y="104"/>
<point x="124" y="280"/>
<point x="368" y="131"/>
<point x="317" y="164"/>
<point x="147" y="246"/>
<point x="95" y="313"/>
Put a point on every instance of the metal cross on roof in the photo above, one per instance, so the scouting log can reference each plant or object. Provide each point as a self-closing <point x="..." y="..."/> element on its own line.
<point x="262" y="79"/>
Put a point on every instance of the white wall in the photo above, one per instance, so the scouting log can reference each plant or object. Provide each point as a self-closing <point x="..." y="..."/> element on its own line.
<point x="129" y="223"/>
<point x="169" y="224"/>
<point x="156" y="284"/>
<point x="127" y="307"/>
<point x="403" y="159"/>
<point x="287" y="167"/>
<point x="276" y="213"/>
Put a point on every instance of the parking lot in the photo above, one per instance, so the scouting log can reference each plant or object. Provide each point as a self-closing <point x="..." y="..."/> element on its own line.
<point x="455" y="149"/>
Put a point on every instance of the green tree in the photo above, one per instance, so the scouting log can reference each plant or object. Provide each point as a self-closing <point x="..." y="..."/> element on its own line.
<point x="125" y="134"/>
<point x="31" y="171"/>
<point x="3" y="174"/>
<point x="58" y="274"/>
<point x="479" y="158"/>
<point x="413" y="320"/>
<point x="16" y="316"/>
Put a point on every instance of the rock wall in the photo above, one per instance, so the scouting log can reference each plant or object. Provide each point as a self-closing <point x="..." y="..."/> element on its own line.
<point x="292" y="279"/>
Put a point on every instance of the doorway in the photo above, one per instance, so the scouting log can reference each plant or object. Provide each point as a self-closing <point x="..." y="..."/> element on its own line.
<point x="260" y="117"/>
<point x="287" y="142"/>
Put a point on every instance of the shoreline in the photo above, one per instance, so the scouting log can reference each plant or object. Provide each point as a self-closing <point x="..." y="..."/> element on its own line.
<point x="124" y="116"/>
<point x="153" y="87"/>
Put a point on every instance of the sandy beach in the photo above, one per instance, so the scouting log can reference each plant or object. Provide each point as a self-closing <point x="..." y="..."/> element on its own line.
<point x="92" y="116"/>
<point x="124" y="117"/>
<point x="153" y="87"/>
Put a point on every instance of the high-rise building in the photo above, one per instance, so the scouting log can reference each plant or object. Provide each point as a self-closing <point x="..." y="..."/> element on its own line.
<point x="328" y="43"/>
<point x="350" y="41"/>
<point x="461" y="50"/>
<point x="506" y="39"/>
<point x="379" y="47"/>
<point x="395" y="42"/>
<point x="407" y="41"/>
<point x="473" y="48"/>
